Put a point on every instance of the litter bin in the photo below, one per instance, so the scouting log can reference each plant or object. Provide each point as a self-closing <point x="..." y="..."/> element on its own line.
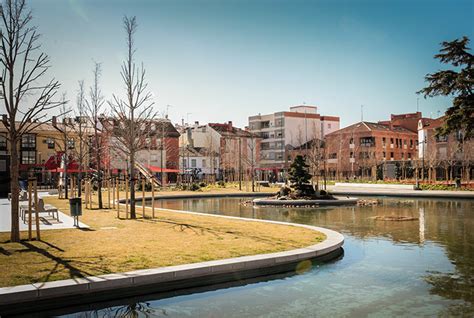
<point x="75" y="206"/>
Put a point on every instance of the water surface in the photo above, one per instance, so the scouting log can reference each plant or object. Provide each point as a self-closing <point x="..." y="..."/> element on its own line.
<point x="423" y="267"/>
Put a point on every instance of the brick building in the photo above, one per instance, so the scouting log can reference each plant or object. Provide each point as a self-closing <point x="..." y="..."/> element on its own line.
<point x="159" y="152"/>
<point x="444" y="157"/>
<point x="373" y="150"/>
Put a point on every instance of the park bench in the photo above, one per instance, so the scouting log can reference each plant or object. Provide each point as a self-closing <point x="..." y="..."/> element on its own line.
<point x="42" y="209"/>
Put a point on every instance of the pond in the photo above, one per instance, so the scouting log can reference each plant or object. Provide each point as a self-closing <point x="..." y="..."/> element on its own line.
<point x="422" y="267"/>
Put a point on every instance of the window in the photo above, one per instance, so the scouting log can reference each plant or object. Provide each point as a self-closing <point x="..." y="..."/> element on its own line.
<point x="28" y="157"/>
<point x="352" y="155"/>
<point x="28" y="141"/>
<point x="364" y="155"/>
<point x="441" y="138"/>
<point x="3" y="142"/>
<point x="204" y="164"/>
<point x="384" y="154"/>
<point x="193" y="163"/>
<point x="404" y="142"/>
<point x="50" y="142"/>
<point x="367" y="141"/>
<point x="411" y="143"/>
<point x="184" y="163"/>
<point x="383" y="141"/>
<point x="351" y="141"/>
<point x="391" y="141"/>
<point x="391" y="155"/>
<point x="333" y="155"/>
<point x="70" y="143"/>
<point x="409" y="155"/>
<point x="403" y="155"/>
<point x="459" y="135"/>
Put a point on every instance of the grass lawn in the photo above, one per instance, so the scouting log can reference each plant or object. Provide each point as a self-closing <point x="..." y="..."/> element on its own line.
<point x="117" y="245"/>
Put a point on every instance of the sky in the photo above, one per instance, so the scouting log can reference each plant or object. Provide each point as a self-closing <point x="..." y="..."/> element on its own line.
<point x="221" y="60"/>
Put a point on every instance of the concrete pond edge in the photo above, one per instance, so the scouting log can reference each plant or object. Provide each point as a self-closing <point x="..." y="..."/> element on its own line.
<point x="276" y="202"/>
<point x="164" y="279"/>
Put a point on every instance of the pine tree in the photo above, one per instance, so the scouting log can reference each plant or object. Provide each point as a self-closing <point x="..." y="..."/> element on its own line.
<point x="299" y="174"/>
<point x="458" y="84"/>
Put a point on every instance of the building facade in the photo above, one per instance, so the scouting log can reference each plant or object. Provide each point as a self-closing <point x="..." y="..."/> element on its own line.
<point x="234" y="148"/>
<point x="283" y="131"/>
<point x="373" y="150"/>
<point x="444" y="157"/>
<point x="41" y="152"/>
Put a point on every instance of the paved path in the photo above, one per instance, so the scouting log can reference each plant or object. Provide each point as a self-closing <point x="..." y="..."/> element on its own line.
<point x="401" y="192"/>
<point x="67" y="222"/>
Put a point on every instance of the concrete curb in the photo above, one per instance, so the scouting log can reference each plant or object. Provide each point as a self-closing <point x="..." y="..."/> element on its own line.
<point x="469" y="195"/>
<point x="60" y="293"/>
<point x="275" y="202"/>
<point x="208" y="195"/>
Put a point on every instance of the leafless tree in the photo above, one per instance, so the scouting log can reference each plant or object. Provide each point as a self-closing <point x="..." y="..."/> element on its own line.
<point x="26" y="100"/>
<point x="133" y="113"/>
<point x="252" y="144"/>
<point x="95" y="112"/>
<point x="80" y="128"/>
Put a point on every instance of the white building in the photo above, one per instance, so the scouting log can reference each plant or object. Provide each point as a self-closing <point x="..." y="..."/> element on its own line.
<point x="200" y="161"/>
<point x="288" y="129"/>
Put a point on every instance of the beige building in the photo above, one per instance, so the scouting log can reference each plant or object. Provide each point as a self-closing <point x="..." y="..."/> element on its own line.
<point x="285" y="130"/>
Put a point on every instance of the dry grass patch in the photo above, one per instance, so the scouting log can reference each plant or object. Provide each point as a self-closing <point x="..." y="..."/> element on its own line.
<point x="116" y="245"/>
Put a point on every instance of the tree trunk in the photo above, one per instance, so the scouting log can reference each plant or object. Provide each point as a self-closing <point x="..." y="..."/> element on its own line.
<point x="133" y="214"/>
<point x="15" y="190"/>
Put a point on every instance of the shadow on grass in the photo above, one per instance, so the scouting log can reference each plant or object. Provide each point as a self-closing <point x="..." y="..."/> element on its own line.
<point x="67" y="263"/>
<point x="201" y="230"/>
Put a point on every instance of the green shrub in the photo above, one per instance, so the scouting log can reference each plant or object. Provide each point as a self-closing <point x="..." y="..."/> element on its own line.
<point x="194" y="187"/>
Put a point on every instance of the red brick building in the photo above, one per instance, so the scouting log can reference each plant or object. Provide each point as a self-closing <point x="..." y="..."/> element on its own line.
<point x="444" y="157"/>
<point x="384" y="150"/>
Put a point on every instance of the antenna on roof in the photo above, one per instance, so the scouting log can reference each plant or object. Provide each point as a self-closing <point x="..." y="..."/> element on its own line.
<point x="361" y="112"/>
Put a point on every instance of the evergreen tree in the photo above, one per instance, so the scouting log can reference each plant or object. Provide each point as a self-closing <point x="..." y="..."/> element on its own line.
<point x="299" y="174"/>
<point x="458" y="83"/>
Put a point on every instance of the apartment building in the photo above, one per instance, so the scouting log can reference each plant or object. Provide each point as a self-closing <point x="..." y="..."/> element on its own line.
<point x="159" y="152"/>
<point x="286" y="130"/>
<point x="41" y="151"/>
<point x="236" y="149"/>
<point x="200" y="163"/>
<point x="444" y="157"/>
<point x="370" y="150"/>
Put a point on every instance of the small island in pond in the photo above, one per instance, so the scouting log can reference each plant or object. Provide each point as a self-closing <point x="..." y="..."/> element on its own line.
<point x="300" y="192"/>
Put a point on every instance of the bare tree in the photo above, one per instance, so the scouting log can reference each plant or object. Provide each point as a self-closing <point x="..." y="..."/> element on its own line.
<point x="81" y="131"/>
<point x="132" y="115"/>
<point x="26" y="100"/>
<point x="94" y="111"/>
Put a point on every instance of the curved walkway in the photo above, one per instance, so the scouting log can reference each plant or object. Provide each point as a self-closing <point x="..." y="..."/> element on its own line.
<point x="77" y="291"/>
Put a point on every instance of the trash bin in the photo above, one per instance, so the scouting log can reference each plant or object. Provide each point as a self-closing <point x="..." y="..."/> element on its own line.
<point x="75" y="206"/>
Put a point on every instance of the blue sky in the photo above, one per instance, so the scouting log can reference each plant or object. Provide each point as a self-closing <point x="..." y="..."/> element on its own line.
<point x="226" y="60"/>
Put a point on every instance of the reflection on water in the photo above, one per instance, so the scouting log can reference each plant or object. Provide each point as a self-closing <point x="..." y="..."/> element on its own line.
<point x="423" y="267"/>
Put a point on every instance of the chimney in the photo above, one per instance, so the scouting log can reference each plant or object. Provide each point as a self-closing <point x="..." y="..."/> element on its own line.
<point x="54" y="121"/>
<point x="229" y="123"/>
<point x="196" y="123"/>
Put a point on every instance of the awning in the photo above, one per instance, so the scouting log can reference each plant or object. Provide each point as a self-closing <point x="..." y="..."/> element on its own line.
<point x="159" y="169"/>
